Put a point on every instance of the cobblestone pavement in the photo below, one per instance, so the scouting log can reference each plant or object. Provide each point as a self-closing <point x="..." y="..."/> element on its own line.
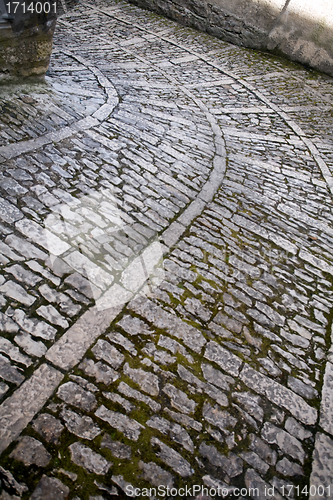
<point x="166" y="285"/>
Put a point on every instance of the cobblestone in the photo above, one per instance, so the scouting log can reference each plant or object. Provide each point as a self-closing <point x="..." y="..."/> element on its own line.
<point x="165" y="289"/>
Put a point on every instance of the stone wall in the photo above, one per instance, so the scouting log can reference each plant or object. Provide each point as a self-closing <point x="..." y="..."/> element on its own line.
<point x="301" y="30"/>
<point x="26" y="45"/>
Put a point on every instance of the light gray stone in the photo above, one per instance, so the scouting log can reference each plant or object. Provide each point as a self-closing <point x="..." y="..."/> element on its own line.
<point x="288" y="468"/>
<point x="287" y="443"/>
<point x="119" y="450"/>
<point x="255" y="461"/>
<point x="322" y="471"/>
<point x="326" y="408"/>
<point x="225" y="359"/>
<point x="33" y="326"/>
<point x="132" y="393"/>
<point x="156" y="475"/>
<point x="179" y="399"/>
<point x="169" y="322"/>
<point x="10" y="373"/>
<point x="104" y="350"/>
<point x="48" y="427"/>
<point x="101" y="372"/>
<point x="17" y="292"/>
<point x="19" y="409"/>
<point x="216" y="377"/>
<point x="80" y="425"/>
<point x="279" y="395"/>
<point x="296" y="429"/>
<point x="220" y="418"/>
<point x="257" y="487"/>
<point x="232" y="464"/>
<point x="146" y="380"/>
<point x="51" y="314"/>
<point x="30" y="346"/>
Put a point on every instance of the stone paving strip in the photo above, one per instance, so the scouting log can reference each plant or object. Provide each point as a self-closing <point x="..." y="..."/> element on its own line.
<point x="166" y="268"/>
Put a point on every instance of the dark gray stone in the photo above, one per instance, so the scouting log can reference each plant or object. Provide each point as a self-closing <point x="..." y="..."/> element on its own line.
<point x="50" y="488"/>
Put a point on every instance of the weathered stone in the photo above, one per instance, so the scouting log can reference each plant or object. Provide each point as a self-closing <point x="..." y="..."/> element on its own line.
<point x="123" y="341"/>
<point x="74" y="395"/>
<point x="50" y="488"/>
<point x="10" y="482"/>
<point x="84" y="457"/>
<point x="48" y="427"/>
<point x="18" y="410"/>
<point x="296" y="429"/>
<point x="30" y="346"/>
<point x="232" y="464"/>
<point x="216" y="377"/>
<point x="288" y="468"/>
<point x="156" y="475"/>
<point x="263" y="450"/>
<point x="9" y="372"/>
<point x="220" y="418"/>
<point x="3" y="389"/>
<point x="322" y="472"/>
<point x="287" y="443"/>
<point x="326" y="409"/>
<point x="251" y="404"/>
<point x="134" y="326"/>
<point x="17" y="292"/>
<point x="257" y="487"/>
<point x="33" y="326"/>
<point x="226" y="360"/>
<point x="100" y="371"/>
<point x="185" y="420"/>
<point x="104" y="350"/>
<point x="179" y="399"/>
<point x="7" y="324"/>
<point x="301" y="388"/>
<point x="170" y="323"/>
<point x="132" y="393"/>
<point x="129" y="427"/>
<point x="52" y="315"/>
<point x="176" y="432"/>
<point x="279" y="395"/>
<point x="255" y="461"/>
<point x="31" y="452"/>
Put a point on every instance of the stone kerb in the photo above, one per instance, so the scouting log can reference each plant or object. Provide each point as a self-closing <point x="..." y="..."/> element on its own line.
<point x="301" y="30"/>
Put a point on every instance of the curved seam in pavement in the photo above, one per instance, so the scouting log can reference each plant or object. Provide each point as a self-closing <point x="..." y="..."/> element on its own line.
<point x="298" y="131"/>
